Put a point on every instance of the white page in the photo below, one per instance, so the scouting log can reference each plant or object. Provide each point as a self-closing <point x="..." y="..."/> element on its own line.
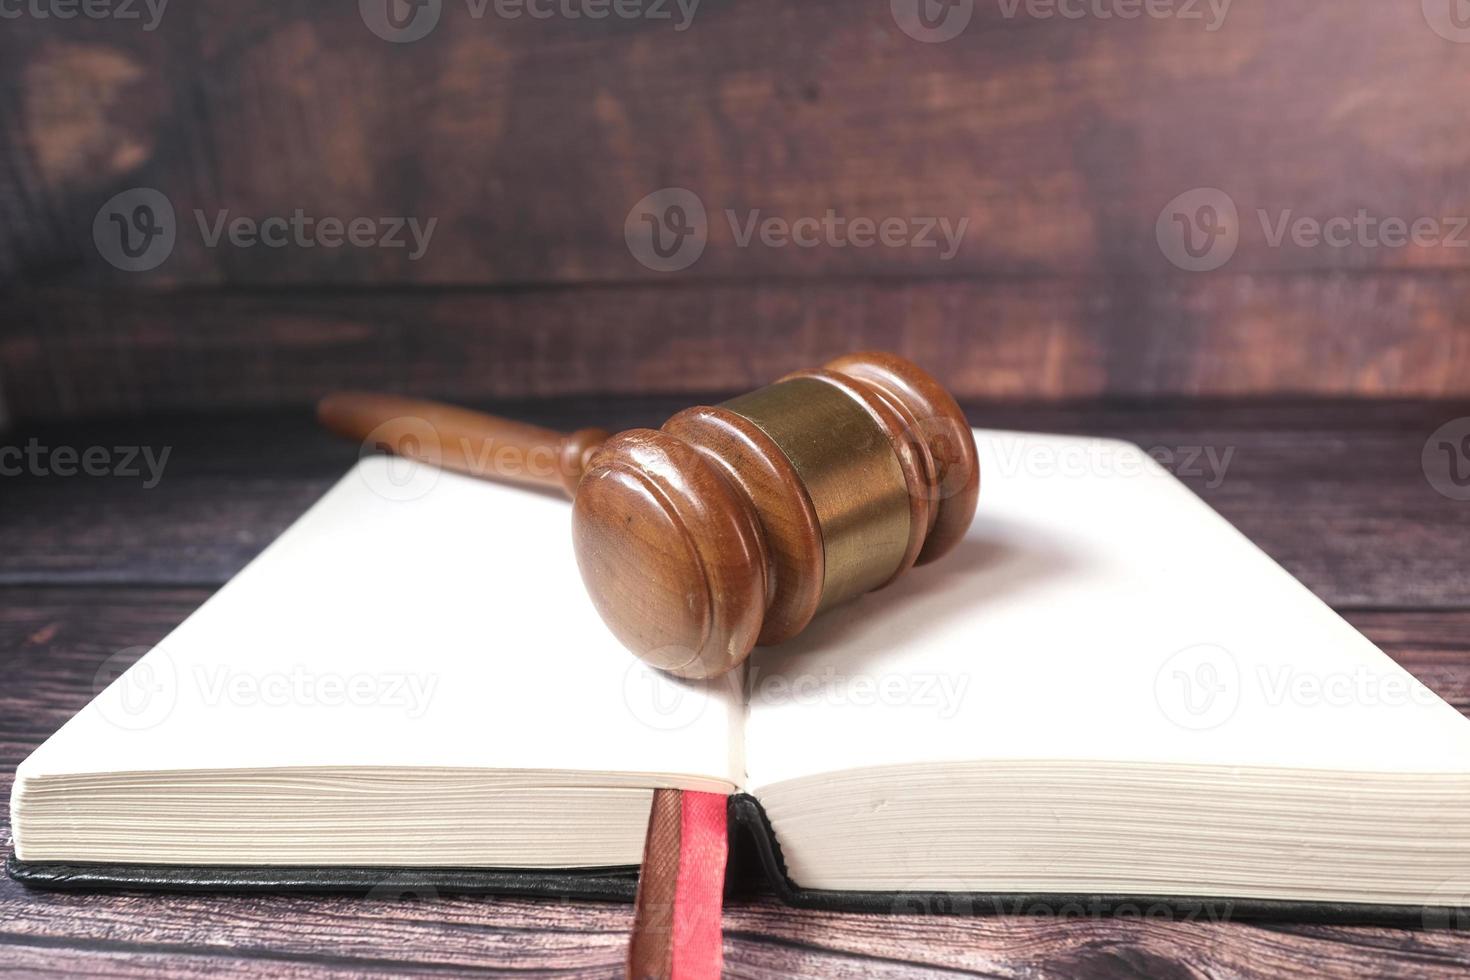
<point x="411" y="618"/>
<point x="1097" y="610"/>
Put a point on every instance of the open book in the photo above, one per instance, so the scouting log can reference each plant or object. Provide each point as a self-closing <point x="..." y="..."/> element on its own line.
<point x="1105" y="690"/>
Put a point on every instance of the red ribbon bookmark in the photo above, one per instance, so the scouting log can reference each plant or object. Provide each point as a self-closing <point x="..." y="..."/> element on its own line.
<point x="681" y="887"/>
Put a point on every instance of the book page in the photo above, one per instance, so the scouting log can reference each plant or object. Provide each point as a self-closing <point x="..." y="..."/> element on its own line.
<point x="412" y="618"/>
<point x="1097" y="610"/>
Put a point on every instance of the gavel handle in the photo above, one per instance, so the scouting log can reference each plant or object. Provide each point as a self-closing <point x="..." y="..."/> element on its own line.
<point x="458" y="439"/>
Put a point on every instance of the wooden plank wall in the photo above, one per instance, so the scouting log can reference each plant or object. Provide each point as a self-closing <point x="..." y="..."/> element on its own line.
<point x="1062" y="142"/>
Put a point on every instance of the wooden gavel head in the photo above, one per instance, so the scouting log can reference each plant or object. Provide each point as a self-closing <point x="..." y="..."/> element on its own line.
<point x="734" y="524"/>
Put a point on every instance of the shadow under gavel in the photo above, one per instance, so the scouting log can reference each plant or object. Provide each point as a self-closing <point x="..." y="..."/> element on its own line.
<point x="734" y="524"/>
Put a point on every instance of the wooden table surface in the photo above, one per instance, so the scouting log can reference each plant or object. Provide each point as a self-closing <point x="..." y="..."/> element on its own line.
<point x="89" y="566"/>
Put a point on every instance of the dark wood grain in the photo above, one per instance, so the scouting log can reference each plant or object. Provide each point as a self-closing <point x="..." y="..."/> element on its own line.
<point x="1061" y="152"/>
<point x="1304" y="476"/>
<point x="1432" y="645"/>
<point x="69" y="352"/>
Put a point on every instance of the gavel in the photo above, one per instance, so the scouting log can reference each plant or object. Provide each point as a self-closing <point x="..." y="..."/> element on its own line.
<point x="735" y="524"/>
